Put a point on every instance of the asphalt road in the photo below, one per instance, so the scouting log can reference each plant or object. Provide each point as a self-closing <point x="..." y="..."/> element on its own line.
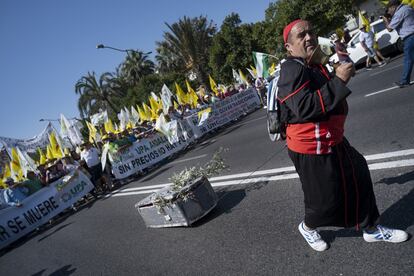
<point x="253" y="230"/>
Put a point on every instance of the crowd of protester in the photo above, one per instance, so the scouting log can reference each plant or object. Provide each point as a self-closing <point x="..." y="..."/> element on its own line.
<point x="87" y="157"/>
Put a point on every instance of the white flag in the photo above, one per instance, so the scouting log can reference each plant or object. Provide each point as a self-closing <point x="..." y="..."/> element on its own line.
<point x="73" y="130"/>
<point x="170" y="129"/>
<point x="134" y="118"/>
<point x="122" y="119"/>
<point x="100" y="118"/>
<point x="237" y="77"/>
<point x="203" y="115"/>
<point x="26" y="163"/>
<point x="166" y="95"/>
<point x="252" y="73"/>
<point x="154" y="96"/>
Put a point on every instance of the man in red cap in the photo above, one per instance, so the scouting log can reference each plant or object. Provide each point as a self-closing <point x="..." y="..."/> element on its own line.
<point x="335" y="177"/>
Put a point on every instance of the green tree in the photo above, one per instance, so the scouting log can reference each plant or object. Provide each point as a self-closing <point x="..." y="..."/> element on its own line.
<point x="150" y="83"/>
<point x="186" y="46"/>
<point x="325" y="15"/>
<point x="96" y="94"/>
<point x="233" y="45"/>
<point x="136" y="66"/>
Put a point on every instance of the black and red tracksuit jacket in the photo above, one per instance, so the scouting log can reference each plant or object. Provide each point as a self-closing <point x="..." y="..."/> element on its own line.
<point x="313" y="105"/>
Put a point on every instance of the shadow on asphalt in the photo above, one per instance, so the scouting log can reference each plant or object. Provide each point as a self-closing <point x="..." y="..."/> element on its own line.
<point x="156" y="173"/>
<point x="57" y="220"/>
<point x="401" y="179"/>
<point x="63" y="271"/>
<point x="228" y="199"/>
<point x="54" y="231"/>
<point x="400" y="215"/>
<point x="330" y="235"/>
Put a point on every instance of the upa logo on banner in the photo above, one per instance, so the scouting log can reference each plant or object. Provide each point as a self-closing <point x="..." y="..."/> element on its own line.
<point x="74" y="191"/>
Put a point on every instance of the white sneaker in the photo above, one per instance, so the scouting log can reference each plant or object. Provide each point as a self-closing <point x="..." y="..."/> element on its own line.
<point x="386" y="234"/>
<point x="382" y="64"/>
<point x="313" y="238"/>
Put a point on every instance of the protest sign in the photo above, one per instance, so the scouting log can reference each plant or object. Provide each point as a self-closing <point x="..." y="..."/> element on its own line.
<point x="149" y="151"/>
<point x="39" y="208"/>
<point x="145" y="153"/>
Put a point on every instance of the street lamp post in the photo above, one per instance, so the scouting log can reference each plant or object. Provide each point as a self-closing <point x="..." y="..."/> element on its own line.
<point x="101" y="46"/>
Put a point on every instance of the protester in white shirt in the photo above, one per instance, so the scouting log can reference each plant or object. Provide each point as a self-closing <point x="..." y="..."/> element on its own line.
<point x="91" y="157"/>
<point x="367" y="40"/>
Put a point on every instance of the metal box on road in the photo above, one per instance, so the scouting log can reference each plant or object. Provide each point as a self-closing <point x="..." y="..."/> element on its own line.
<point x="168" y="208"/>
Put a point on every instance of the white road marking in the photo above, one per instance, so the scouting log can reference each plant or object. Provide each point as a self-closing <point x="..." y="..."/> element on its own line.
<point x="372" y="167"/>
<point x="389" y="154"/>
<point x="235" y="181"/>
<point x="371" y="157"/>
<point x="188" y="159"/>
<point x="383" y="90"/>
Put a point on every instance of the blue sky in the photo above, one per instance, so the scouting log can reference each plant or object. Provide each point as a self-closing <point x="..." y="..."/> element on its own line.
<point x="47" y="45"/>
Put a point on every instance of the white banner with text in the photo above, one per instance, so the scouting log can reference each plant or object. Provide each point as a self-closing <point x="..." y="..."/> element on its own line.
<point x="39" y="208"/>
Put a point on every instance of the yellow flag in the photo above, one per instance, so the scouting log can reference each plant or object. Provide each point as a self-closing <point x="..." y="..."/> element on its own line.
<point x="142" y="115"/>
<point x="213" y="85"/>
<point x="176" y="105"/>
<point x="54" y="146"/>
<point x="272" y="68"/>
<point x="7" y="172"/>
<point x="154" y="105"/>
<point x="254" y="69"/>
<point x="243" y="77"/>
<point x="49" y="153"/>
<point x="160" y="105"/>
<point x="15" y="164"/>
<point x="181" y="96"/>
<point x="149" y="113"/>
<point x="109" y="127"/>
<point x="66" y="152"/>
<point x="92" y="132"/>
<point x="363" y="21"/>
<point x="192" y="95"/>
<point x="42" y="157"/>
<point x="130" y="125"/>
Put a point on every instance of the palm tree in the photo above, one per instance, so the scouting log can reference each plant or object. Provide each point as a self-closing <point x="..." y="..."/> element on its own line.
<point x="167" y="61"/>
<point x="94" y="94"/>
<point x="135" y="66"/>
<point x="187" y="45"/>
